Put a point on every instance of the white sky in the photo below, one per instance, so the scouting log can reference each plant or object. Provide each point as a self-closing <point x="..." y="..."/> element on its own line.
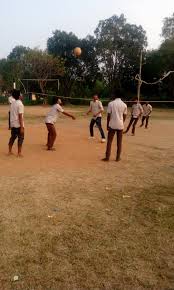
<point x="31" y="22"/>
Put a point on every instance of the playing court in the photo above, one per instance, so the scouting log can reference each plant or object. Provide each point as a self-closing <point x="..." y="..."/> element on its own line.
<point x="70" y="221"/>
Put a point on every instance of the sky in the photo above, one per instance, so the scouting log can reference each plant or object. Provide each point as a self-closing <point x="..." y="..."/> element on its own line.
<point x="31" y="22"/>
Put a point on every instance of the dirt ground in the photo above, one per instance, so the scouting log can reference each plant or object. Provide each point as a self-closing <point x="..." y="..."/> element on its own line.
<point x="70" y="221"/>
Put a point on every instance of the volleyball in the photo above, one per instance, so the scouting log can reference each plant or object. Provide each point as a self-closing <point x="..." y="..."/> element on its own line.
<point x="77" y="51"/>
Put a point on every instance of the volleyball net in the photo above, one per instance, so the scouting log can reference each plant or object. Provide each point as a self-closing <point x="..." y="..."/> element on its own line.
<point x="40" y="98"/>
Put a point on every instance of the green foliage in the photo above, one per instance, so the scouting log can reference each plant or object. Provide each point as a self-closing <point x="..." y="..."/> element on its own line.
<point x="119" y="44"/>
<point x="18" y="53"/>
<point x="168" y="27"/>
<point x="109" y="59"/>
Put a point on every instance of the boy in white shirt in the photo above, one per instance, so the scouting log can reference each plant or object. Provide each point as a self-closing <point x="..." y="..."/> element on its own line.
<point x="96" y="108"/>
<point x="51" y="119"/>
<point x="147" y="110"/>
<point x="136" y="113"/>
<point x="117" y="111"/>
<point x="16" y="122"/>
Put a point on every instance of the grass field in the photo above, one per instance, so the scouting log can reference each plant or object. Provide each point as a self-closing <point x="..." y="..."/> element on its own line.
<point x="69" y="221"/>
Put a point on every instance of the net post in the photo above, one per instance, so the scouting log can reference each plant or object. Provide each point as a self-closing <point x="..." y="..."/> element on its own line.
<point x="139" y="79"/>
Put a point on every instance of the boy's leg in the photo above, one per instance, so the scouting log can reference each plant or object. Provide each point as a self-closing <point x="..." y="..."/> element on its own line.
<point x="99" y="125"/>
<point x="111" y="134"/>
<point x="9" y="121"/>
<point x="49" y="140"/>
<point x="134" y="125"/>
<point x="119" y="144"/>
<point x="52" y="137"/>
<point x="49" y="135"/>
<point x="92" y="127"/>
<point x="12" y="139"/>
<point x="20" y="142"/>
<point x="130" y="123"/>
<point x="143" y="119"/>
<point x="147" y="122"/>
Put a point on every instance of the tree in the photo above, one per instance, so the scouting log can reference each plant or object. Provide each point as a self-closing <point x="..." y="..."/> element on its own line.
<point x="167" y="60"/>
<point x="168" y="28"/>
<point x="118" y="46"/>
<point x="18" y="53"/>
<point x="61" y="44"/>
<point x="89" y="59"/>
<point x="42" y="66"/>
<point x="10" y="70"/>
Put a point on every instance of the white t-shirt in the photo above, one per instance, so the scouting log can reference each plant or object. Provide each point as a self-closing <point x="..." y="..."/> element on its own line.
<point x="96" y="107"/>
<point x="16" y="108"/>
<point x="117" y="109"/>
<point x="10" y="100"/>
<point x="147" y="110"/>
<point x="52" y="115"/>
<point x="137" y="110"/>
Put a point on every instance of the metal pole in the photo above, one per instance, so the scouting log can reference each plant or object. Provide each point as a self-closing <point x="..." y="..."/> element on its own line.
<point x="139" y="81"/>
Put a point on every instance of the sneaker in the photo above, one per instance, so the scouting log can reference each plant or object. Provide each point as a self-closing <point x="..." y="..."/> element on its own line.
<point x="92" y="137"/>
<point x="103" y="140"/>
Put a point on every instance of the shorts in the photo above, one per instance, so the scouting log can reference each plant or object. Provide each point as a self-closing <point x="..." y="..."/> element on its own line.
<point x="16" y="133"/>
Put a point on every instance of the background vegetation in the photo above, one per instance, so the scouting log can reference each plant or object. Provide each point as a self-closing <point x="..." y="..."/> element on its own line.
<point x="110" y="58"/>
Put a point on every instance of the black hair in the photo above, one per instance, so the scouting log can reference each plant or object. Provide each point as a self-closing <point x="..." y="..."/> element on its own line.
<point x="55" y="100"/>
<point x="96" y="94"/>
<point x="16" y="94"/>
<point x="117" y="93"/>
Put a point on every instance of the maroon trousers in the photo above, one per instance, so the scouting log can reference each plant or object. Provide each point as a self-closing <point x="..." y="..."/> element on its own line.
<point x="111" y="133"/>
<point x="51" y="135"/>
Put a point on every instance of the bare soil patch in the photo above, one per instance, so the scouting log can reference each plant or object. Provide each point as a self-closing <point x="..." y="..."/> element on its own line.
<point x="70" y="221"/>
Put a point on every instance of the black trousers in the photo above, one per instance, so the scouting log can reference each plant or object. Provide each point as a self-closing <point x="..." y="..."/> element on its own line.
<point x="147" y="121"/>
<point x="96" y="121"/>
<point x="133" y="122"/>
<point x="111" y="134"/>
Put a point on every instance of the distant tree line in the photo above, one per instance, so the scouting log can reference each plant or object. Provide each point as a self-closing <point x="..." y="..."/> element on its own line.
<point x="109" y="59"/>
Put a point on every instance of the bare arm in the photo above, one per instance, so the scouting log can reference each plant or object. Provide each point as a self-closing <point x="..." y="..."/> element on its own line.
<point x="21" y="123"/>
<point x="108" y="120"/>
<point x="124" y="117"/>
<point x="89" y="111"/>
<point x="141" y="111"/>
<point x="69" y="115"/>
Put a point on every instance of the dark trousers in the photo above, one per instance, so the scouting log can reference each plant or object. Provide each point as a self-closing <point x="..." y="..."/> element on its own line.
<point x="16" y="133"/>
<point x="111" y="133"/>
<point x="147" y="121"/>
<point x="133" y="122"/>
<point x="9" y="126"/>
<point x="51" y="135"/>
<point x="96" y="121"/>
